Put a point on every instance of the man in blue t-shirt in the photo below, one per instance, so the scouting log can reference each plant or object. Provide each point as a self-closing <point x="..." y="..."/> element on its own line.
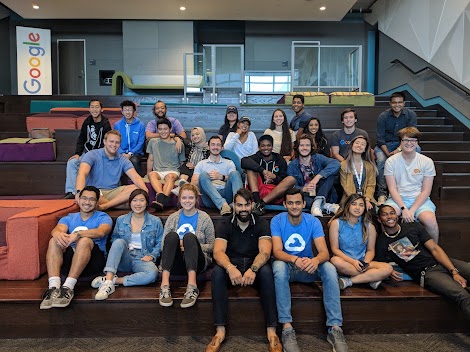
<point x="103" y="169"/>
<point x="77" y="248"/>
<point x="294" y="234"/>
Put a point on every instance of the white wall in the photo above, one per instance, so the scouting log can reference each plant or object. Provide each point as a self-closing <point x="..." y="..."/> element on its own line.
<point x="156" y="47"/>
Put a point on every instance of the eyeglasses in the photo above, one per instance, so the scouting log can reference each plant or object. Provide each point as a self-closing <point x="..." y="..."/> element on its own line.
<point x="411" y="141"/>
<point x="86" y="200"/>
<point x="128" y="109"/>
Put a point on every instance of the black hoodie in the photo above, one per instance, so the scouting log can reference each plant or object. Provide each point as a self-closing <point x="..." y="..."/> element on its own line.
<point x="92" y="135"/>
<point x="256" y="162"/>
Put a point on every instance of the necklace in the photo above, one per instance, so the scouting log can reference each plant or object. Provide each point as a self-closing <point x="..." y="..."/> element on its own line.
<point x="395" y="235"/>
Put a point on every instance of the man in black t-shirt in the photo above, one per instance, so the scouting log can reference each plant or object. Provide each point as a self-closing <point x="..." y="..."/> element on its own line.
<point x="411" y="247"/>
<point x="241" y="251"/>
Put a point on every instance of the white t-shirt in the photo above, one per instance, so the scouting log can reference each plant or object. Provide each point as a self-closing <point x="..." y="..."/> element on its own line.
<point x="277" y="138"/>
<point x="248" y="148"/>
<point x="409" y="177"/>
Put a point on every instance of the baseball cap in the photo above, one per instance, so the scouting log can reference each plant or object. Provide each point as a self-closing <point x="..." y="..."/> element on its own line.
<point x="232" y="109"/>
<point x="245" y="118"/>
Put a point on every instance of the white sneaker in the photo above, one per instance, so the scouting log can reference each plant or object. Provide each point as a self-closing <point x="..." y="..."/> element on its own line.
<point x="375" y="284"/>
<point x="331" y="208"/>
<point x="382" y="199"/>
<point x="105" y="290"/>
<point x="316" y="211"/>
<point x="99" y="280"/>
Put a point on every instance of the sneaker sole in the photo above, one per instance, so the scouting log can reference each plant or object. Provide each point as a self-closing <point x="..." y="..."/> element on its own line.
<point x="101" y="298"/>
<point x="165" y="304"/>
<point x="187" y="305"/>
<point x="45" y="307"/>
<point x="60" y="305"/>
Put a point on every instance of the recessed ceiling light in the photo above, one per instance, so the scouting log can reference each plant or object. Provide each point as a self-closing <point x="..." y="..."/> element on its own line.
<point x="36" y="7"/>
<point x="323" y="8"/>
<point x="182" y="8"/>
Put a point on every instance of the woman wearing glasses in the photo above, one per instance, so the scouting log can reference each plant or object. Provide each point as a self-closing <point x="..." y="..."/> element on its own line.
<point x="136" y="243"/>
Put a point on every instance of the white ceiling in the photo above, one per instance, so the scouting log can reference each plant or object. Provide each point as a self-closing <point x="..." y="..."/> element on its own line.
<point x="243" y="10"/>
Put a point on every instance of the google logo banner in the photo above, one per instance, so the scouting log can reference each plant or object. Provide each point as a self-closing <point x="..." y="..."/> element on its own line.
<point x="33" y="49"/>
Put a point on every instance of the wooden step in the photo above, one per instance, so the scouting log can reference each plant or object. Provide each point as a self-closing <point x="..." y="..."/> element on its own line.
<point x="443" y="136"/>
<point x="445" y="145"/>
<point x="439" y="155"/>
<point x="134" y="311"/>
<point x="456" y="179"/>
<point x="435" y="128"/>
<point x="455" y="166"/>
<point x="455" y="193"/>
<point x="425" y="112"/>
<point x="438" y="120"/>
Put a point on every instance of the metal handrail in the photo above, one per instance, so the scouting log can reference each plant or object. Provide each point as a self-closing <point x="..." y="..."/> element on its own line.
<point x="437" y="72"/>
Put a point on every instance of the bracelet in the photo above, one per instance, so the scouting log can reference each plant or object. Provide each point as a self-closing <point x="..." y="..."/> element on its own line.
<point x="295" y="260"/>
<point x="229" y="266"/>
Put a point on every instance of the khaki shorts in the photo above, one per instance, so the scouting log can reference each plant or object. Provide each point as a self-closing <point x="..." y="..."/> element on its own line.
<point x="110" y="194"/>
<point x="163" y="174"/>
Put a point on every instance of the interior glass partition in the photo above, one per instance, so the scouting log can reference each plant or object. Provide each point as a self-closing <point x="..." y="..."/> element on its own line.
<point x="223" y="68"/>
<point x="326" y="68"/>
<point x="193" y="71"/>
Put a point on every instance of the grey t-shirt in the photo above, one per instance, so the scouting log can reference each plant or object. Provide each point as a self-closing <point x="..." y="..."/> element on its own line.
<point x="342" y="140"/>
<point x="165" y="156"/>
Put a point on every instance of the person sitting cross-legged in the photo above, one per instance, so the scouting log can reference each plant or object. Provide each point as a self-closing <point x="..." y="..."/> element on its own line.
<point x="136" y="244"/>
<point x="77" y="248"/>
<point x="352" y="240"/>
<point x="267" y="175"/>
<point x="217" y="178"/>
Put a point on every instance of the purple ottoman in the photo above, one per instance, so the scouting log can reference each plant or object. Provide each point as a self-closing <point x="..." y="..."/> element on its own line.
<point x="27" y="149"/>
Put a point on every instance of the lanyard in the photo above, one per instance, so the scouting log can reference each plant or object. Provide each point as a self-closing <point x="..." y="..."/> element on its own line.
<point x="359" y="177"/>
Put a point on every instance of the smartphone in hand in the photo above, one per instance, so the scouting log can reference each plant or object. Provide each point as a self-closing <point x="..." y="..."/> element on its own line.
<point x="364" y="265"/>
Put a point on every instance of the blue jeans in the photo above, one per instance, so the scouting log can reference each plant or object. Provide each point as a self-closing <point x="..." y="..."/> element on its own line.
<point x="215" y="198"/>
<point x="380" y="159"/>
<point x="325" y="189"/>
<point x="71" y="176"/>
<point x="288" y="272"/>
<point x="122" y="259"/>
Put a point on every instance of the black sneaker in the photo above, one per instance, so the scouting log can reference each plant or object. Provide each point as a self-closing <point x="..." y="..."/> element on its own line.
<point x="69" y="195"/>
<point x="64" y="298"/>
<point x="48" y="296"/>
<point x="259" y="208"/>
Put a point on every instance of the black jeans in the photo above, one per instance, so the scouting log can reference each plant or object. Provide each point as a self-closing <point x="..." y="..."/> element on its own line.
<point x="439" y="280"/>
<point x="264" y="283"/>
<point x="177" y="262"/>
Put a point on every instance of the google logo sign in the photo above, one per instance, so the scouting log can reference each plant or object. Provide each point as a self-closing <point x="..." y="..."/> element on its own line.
<point x="34" y="63"/>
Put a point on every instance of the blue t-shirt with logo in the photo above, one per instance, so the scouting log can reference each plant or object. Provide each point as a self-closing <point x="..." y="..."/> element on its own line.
<point x="74" y="220"/>
<point x="297" y="240"/>
<point x="187" y="224"/>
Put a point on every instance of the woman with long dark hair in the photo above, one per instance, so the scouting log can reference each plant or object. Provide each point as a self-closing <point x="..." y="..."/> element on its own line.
<point x="352" y="239"/>
<point x="283" y="136"/>
<point x="313" y="129"/>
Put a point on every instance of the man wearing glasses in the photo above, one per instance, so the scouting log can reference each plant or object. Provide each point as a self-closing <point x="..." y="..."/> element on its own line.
<point x="409" y="178"/>
<point x="77" y="248"/>
<point x="388" y="124"/>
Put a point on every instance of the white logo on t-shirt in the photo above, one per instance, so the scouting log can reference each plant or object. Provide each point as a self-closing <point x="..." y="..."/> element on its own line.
<point x="184" y="229"/>
<point x="295" y="243"/>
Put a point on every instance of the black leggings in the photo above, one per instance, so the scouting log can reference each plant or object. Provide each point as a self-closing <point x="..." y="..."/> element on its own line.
<point x="177" y="262"/>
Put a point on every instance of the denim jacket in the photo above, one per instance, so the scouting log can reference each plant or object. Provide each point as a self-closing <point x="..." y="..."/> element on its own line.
<point x="151" y="233"/>
<point x="322" y="165"/>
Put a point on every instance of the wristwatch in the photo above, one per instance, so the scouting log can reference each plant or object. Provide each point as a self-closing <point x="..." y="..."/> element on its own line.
<point x="78" y="234"/>
<point x="254" y="268"/>
<point x="454" y="271"/>
<point x="78" y="191"/>
<point x="403" y="207"/>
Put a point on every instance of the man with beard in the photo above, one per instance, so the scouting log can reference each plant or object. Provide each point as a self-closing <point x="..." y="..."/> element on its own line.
<point x="159" y="110"/>
<point x="242" y="249"/>
<point x="425" y="261"/>
<point x="77" y="248"/>
<point x="294" y="234"/>
<point x="91" y="137"/>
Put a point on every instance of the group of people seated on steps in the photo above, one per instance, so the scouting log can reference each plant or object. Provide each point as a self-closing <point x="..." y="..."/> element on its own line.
<point x="244" y="249"/>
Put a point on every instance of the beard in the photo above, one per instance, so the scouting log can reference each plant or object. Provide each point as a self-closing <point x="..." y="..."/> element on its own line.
<point x="244" y="217"/>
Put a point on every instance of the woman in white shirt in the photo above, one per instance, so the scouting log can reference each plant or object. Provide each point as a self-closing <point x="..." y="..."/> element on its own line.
<point x="243" y="142"/>
<point x="283" y="136"/>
